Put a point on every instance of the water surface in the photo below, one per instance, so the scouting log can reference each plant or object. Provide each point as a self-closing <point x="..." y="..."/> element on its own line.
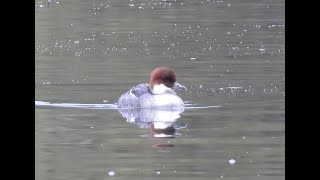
<point x="228" y="53"/>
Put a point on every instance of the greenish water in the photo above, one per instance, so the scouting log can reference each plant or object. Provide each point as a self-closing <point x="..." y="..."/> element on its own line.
<point x="228" y="53"/>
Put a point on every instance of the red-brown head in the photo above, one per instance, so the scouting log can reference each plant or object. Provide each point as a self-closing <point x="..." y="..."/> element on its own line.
<point x="162" y="75"/>
<point x="163" y="80"/>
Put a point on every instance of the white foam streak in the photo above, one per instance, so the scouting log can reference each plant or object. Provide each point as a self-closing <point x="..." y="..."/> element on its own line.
<point x="104" y="106"/>
<point x="76" y="105"/>
<point x="203" y="107"/>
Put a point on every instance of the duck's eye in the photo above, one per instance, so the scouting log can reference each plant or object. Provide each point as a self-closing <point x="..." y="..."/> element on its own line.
<point x="166" y="80"/>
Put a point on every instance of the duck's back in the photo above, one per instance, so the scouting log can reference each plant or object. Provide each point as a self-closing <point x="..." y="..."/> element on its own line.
<point x="131" y="98"/>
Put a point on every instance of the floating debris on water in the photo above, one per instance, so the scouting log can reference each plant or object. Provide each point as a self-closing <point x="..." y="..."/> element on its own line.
<point x="232" y="161"/>
<point x="111" y="173"/>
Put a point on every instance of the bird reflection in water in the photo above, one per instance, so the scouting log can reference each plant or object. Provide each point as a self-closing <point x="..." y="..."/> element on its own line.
<point x="161" y="122"/>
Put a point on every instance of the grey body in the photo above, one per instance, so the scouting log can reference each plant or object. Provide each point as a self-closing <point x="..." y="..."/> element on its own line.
<point x="140" y="97"/>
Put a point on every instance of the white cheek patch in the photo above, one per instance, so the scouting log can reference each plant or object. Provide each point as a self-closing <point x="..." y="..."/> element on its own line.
<point x="161" y="89"/>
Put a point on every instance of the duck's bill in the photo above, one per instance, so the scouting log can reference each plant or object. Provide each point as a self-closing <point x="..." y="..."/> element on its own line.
<point x="176" y="85"/>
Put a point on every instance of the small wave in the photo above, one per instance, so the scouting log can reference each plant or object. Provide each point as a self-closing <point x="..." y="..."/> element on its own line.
<point x="188" y="105"/>
<point x="202" y="107"/>
<point x="77" y="105"/>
